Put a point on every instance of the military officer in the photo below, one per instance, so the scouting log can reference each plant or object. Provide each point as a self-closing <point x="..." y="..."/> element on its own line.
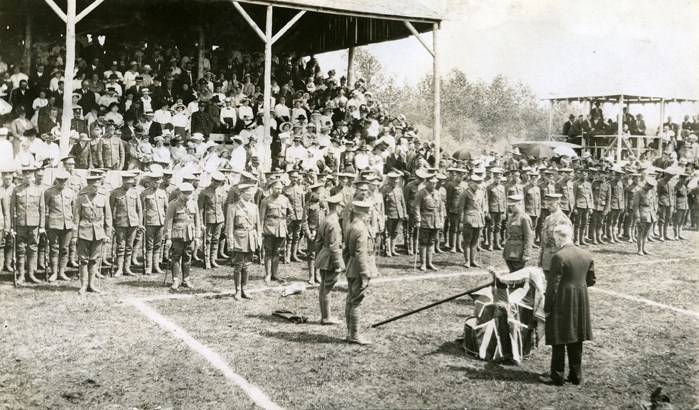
<point x="154" y="204"/>
<point x="584" y="204"/>
<point x="42" y="245"/>
<point x="617" y="205"/>
<point x="681" y="206"/>
<point x="182" y="232"/>
<point x="473" y="206"/>
<point x="629" y="194"/>
<point x="112" y="150"/>
<point x="556" y="217"/>
<point x="666" y="202"/>
<point x="77" y="183"/>
<point x="358" y="255"/>
<point x="409" y="192"/>
<point x="125" y="204"/>
<point x="565" y="187"/>
<point x="396" y="210"/>
<point x="244" y="236"/>
<point x="520" y="234"/>
<point x="6" y="190"/>
<point x="644" y="212"/>
<point x="601" y="196"/>
<point x="514" y="186"/>
<point x="329" y="260"/>
<point x="212" y="205"/>
<point x="313" y="213"/>
<point x="296" y="194"/>
<point x="274" y="211"/>
<point x="60" y="201"/>
<point x="497" y="209"/>
<point x="28" y="221"/>
<point x="532" y="198"/>
<point x="546" y="186"/>
<point x="345" y="188"/>
<point x="92" y="225"/>
<point x="429" y="206"/>
<point x="454" y="190"/>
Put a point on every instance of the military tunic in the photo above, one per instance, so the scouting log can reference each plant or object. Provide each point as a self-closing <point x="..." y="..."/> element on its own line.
<point x="92" y="218"/>
<point x="28" y="215"/>
<point x="520" y="238"/>
<point x="182" y="226"/>
<point x="429" y="207"/>
<point x="127" y="215"/>
<point x="59" y="224"/>
<point x="154" y="204"/>
<point x="243" y="232"/>
<point x="273" y="214"/>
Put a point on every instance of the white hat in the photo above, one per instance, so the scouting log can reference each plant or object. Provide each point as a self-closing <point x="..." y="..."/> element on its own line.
<point x="4" y="132"/>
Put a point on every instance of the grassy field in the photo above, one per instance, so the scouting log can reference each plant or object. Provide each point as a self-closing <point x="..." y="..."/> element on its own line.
<point x="61" y="350"/>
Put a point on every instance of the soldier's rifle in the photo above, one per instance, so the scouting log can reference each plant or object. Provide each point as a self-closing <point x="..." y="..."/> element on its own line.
<point x="431" y="305"/>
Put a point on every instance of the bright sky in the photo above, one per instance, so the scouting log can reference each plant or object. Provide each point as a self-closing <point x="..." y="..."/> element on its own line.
<point x="558" y="46"/>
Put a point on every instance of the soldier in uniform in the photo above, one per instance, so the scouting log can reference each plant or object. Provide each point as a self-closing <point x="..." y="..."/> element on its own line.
<point x="182" y="231"/>
<point x="296" y="195"/>
<point x="77" y="184"/>
<point x="564" y="186"/>
<point x="27" y="213"/>
<point x="429" y="206"/>
<point x="409" y="192"/>
<point x="125" y="204"/>
<point x="556" y="217"/>
<point x="5" y="223"/>
<point x="546" y="186"/>
<point x="328" y="246"/>
<point x="497" y="209"/>
<point x="244" y="237"/>
<point x="345" y="188"/>
<point x="532" y="199"/>
<point x="681" y="206"/>
<point x="396" y="210"/>
<point x="473" y="207"/>
<point x="644" y="212"/>
<point x="666" y="202"/>
<point x="154" y="204"/>
<point x="6" y="191"/>
<point x="617" y="205"/>
<point x="584" y="204"/>
<point x="92" y="225"/>
<point x="274" y="211"/>
<point x="601" y="196"/>
<point x="313" y="213"/>
<point x="358" y="255"/>
<point x="629" y="193"/>
<point x="515" y="187"/>
<point x="42" y="245"/>
<point x="212" y="205"/>
<point x="454" y="190"/>
<point x="520" y="235"/>
<point x="112" y="150"/>
<point x="60" y="201"/>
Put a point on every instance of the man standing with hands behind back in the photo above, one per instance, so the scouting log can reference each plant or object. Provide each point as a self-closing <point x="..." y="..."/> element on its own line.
<point x="567" y="306"/>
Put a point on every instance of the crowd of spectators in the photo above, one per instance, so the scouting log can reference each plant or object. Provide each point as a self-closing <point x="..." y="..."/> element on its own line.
<point x="152" y="99"/>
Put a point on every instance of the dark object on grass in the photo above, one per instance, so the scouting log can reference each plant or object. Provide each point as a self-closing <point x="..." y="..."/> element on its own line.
<point x="476" y="289"/>
<point x="658" y="401"/>
<point x="290" y="316"/>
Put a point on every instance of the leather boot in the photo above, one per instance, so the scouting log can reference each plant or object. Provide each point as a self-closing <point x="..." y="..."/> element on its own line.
<point x="2" y="259"/>
<point x="244" y="283"/>
<point x="236" y="280"/>
<point x="41" y="258"/>
<point x="452" y="241"/>
<point x="354" y="336"/>
<point x="30" y="269"/>
<point x="82" y="271"/>
<point x="187" y="280"/>
<point x="120" y="267"/>
<point x="156" y="262"/>
<point x="287" y="254"/>
<point x="311" y="272"/>
<point x="467" y="258"/>
<point x="62" y="274"/>
<point x="294" y="251"/>
<point x="9" y="258"/>
<point x="148" y="263"/>
<point x="409" y="245"/>
<point x="268" y="269"/>
<point x="438" y="244"/>
<point x="388" y="248"/>
<point x="54" y="269"/>
<point x="20" y="269"/>
<point x="207" y="258"/>
<point x="459" y="243"/>
<point x="489" y="235"/>
<point x="423" y="258"/>
<point x="275" y="270"/>
<point x="176" y="275"/>
<point x="222" y="249"/>
<point x="93" y="266"/>
<point x="214" y="255"/>
<point x="473" y="258"/>
<point x="127" y="265"/>
<point x="496" y="240"/>
<point x="73" y="255"/>
<point x="430" y="266"/>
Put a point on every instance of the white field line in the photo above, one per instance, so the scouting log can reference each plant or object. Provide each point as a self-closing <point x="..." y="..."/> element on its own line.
<point x="255" y="394"/>
<point x="649" y="302"/>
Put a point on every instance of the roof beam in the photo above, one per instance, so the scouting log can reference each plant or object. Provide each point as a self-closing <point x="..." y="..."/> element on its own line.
<point x="250" y="21"/>
<point x="417" y="35"/>
<point x="57" y="10"/>
<point x="87" y="10"/>
<point x="288" y="26"/>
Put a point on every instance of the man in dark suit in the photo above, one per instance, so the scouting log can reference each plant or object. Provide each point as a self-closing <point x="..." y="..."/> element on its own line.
<point x="596" y="111"/>
<point x="568" y="124"/>
<point x="88" y="99"/>
<point x="567" y="306"/>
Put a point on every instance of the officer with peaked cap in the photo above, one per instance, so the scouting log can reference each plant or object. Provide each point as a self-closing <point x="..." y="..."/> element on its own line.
<point x="359" y="258"/>
<point x="244" y="237"/>
<point x="410" y="191"/>
<point x="154" y="204"/>
<point x="681" y="206"/>
<point x="274" y="211"/>
<point x="313" y="212"/>
<point x="396" y="210"/>
<point x="182" y="228"/>
<point x="27" y="214"/>
<point x="520" y="235"/>
<point x="617" y="204"/>
<point x="328" y="246"/>
<point x="92" y="225"/>
<point x="644" y="212"/>
<point x="429" y="205"/>
<point x="125" y="204"/>
<point x="295" y="192"/>
<point x="212" y="204"/>
<point x="497" y="210"/>
<point x="59" y="201"/>
<point x="584" y="204"/>
<point x="473" y="207"/>
<point x="601" y="194"/>
<point x="556" y="217"/>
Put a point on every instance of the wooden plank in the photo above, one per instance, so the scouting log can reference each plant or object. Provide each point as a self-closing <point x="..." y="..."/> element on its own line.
<point x="88" y="10"/>
<point x="417" y="35"/>
<point x="287" y="26"/>
<point x="249" y="19"/>
<point x="437" y="91"/>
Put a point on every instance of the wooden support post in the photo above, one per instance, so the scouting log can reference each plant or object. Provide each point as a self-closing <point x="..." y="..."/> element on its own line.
<point x="249" y="20"/>
<point x="551" y="120"/>
<point x="267" y="90"/>
<point x="287" y="26"/>
<point x="202" y="53"/>
<point x="417" y="35"/>
<point x="27" y="57"/>
<point x="350" y="68"/>
<point x="660" y="128"/>
<point x="87" y="10"/>
<point x="68" y="84"/>
<point x="57" y="10"/>
<point x="620" y="128"/>
<point x="437" y="102"/>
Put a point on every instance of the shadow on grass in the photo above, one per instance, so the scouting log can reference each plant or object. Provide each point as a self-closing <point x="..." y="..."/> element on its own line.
<point x="304" y="337"/>
<point x="52" y="288"/>
<point x="144" y="283"/>
<point x="494" y="371"/>
<point x="613" y="251"/>
<point x="268" y="318"/>
<point x="452" y="348"/>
